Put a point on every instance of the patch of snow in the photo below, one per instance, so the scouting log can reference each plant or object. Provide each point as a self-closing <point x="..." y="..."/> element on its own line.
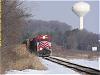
<point x="88" y="63"/>
<point x="53" y="68"/>
<point x="56" y="68"/>
<point x="99" y="62"/>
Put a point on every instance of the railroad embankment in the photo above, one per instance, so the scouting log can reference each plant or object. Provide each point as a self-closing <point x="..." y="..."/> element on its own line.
<point x="18" y="58"/>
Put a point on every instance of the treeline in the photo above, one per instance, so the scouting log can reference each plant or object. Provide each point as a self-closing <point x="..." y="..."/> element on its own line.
<point x="77" y="40"/>
<point x="62" y="34"/>
<point x="81" y="40"/>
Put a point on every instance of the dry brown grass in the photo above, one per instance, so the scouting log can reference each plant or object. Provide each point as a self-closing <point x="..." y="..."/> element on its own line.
<point x="71" y="54"/>
<point x="18" y="58"/>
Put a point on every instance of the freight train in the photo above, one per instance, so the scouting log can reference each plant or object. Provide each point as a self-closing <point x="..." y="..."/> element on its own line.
<point x="41" y="45"/>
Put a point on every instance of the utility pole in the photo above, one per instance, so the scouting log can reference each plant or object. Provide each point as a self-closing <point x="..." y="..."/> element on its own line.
<point x="0" y="22"/>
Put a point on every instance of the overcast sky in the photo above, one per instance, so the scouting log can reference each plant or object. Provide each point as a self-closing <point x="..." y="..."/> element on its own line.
<point x="62" y="11"/>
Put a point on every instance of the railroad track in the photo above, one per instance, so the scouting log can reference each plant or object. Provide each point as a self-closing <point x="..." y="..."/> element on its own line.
<point x="82" y="69"/>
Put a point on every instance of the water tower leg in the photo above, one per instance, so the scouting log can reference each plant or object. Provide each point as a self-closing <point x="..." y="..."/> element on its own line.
<point x="81" y="23"/>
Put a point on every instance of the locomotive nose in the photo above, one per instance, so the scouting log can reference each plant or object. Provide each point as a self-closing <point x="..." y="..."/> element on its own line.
<point x="46" y="49"/>
<point x="45" y="52"/>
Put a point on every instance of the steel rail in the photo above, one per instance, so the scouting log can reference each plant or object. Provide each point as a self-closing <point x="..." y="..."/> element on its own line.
<point x="82" y="69"/>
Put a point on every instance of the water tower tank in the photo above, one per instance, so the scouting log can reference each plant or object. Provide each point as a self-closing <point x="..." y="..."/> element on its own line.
<point x="81" y="9"/>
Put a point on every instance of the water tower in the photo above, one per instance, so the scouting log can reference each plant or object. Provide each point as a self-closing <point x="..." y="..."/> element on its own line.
<point x="81" y="9"/>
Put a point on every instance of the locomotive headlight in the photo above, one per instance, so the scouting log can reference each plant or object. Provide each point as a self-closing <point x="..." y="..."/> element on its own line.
<point x="41" y="48"/>
<point x="44" y="37"/>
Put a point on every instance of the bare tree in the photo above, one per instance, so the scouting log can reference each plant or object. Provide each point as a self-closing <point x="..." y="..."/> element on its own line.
<point x="13" y="18"/>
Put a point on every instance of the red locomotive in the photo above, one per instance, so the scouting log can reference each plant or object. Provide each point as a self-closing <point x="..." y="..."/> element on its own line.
<point x="41" y="45"/>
